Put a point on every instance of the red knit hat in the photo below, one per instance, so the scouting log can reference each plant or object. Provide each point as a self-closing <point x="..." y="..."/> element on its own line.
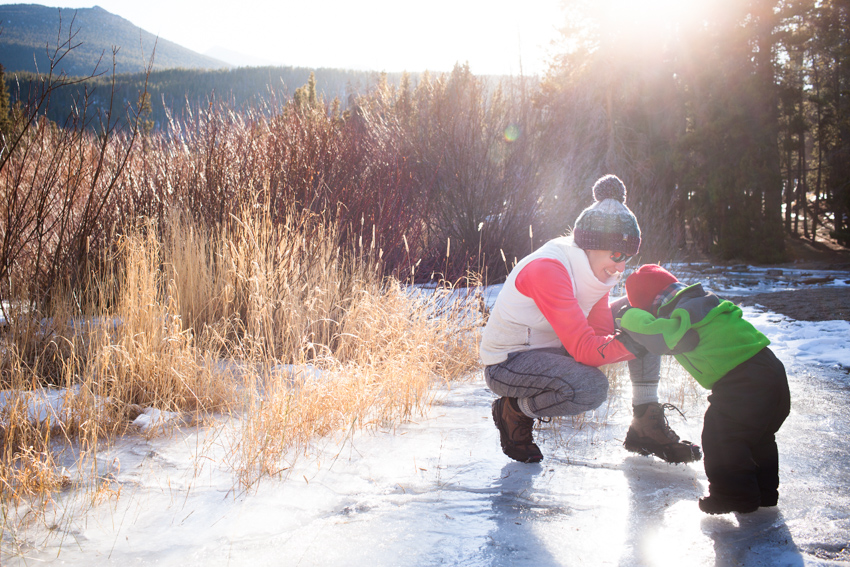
<point x="644" y="285"/>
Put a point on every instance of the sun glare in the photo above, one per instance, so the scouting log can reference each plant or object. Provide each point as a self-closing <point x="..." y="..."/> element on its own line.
<point x="493" y="36"/>
<point x="678" y="535"/>
<point x="647" y="18"/>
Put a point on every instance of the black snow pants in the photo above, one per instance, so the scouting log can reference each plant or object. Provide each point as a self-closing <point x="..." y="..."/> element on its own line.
<point x="746" y="409"/>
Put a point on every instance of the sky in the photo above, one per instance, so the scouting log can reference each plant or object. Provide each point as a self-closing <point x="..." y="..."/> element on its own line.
<point x="494" y="36"/>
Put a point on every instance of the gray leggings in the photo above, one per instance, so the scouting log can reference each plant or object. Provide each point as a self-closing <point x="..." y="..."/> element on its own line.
<point x="548" y="382"/>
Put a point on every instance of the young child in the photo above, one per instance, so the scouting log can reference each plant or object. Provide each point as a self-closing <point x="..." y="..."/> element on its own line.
<point x="749" y="397"/>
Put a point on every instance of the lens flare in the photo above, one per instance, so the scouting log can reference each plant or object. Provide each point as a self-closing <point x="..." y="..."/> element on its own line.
<point x="511" y="133"/>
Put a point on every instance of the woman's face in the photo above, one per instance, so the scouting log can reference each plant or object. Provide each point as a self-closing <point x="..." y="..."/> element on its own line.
<point x="604" y="268"/>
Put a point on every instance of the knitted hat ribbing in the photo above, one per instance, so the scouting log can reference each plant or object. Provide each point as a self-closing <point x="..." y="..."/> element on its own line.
<point x="608" y="224"/>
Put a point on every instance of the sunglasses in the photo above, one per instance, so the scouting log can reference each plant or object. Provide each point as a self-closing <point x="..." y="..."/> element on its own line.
<point x="620" y="257"/>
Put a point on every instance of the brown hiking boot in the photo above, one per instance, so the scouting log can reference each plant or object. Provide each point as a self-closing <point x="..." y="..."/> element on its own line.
<point x="515" y="431"/>
<point x="650" y="434"/>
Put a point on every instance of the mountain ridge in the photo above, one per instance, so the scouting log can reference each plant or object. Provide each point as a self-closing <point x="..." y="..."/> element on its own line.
<point x="31" y="33"/>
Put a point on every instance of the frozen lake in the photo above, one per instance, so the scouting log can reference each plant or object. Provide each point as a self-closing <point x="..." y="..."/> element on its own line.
<point x="438" y="490"/>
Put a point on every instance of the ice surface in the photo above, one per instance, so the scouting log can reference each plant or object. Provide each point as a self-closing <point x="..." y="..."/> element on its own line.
<point x="438" y="491"/>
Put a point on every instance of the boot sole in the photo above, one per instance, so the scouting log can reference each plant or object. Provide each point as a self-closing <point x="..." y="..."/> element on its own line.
<point x="708" y="507"/>
<point x="661" y="452"/>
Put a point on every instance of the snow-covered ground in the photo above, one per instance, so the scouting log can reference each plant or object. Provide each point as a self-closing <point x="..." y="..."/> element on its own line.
<point x="438" y="490"/>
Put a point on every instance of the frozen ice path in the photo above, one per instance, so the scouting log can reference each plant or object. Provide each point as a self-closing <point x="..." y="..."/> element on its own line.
<point x="439" y="492"/>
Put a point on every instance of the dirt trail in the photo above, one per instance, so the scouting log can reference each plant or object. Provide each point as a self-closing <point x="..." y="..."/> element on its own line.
<point x="813" y="304"/>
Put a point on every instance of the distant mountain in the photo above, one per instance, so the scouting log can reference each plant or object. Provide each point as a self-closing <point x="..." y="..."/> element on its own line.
<point x="29" y="31"/>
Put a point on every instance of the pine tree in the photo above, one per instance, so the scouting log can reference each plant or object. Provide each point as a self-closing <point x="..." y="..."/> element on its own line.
<point x="306" y="98"/>
<point x="832" y="49"/>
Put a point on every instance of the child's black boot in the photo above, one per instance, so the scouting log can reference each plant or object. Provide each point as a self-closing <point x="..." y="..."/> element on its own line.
<point x="723" y="505"/>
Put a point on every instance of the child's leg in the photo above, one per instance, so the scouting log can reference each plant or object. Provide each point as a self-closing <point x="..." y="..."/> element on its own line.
<point x="765" y="452"/>
<point x="732" y="481"/>
<point x="746" y="409"/>
<point x="645" y="374"/>
<point x="766" y="457"/>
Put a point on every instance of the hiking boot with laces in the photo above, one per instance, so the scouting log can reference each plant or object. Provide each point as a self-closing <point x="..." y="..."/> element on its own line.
<point x="650" y="434"/>
<point x="515" y="431"/>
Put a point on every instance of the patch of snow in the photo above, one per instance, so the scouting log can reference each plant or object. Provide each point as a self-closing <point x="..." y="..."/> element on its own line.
<point x="152" y="418"/>
<point x="41" y="405"/>
<point x="805" y="342"/>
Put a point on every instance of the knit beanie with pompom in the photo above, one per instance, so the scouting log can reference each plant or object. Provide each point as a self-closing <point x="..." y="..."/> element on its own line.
<point x="645" y="284"/>
<point x="608" y="224"/>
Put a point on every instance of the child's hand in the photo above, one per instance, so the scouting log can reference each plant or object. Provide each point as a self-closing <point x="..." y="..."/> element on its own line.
<point x="619" y="307"/>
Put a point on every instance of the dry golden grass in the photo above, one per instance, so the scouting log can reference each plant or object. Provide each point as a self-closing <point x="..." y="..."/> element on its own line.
<point x="324" y="344"/>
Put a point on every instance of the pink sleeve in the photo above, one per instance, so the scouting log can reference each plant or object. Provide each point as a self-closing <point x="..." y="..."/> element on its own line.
<point x="588" y="339"/>
<point x="601" y="318"/>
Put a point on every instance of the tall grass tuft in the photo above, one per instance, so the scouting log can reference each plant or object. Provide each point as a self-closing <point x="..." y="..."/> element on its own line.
<point x="326" y="341"/>
<point x="322" y="342"/>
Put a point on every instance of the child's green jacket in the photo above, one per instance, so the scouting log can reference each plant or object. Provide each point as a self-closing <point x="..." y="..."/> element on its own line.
<point x="707" y="335"/>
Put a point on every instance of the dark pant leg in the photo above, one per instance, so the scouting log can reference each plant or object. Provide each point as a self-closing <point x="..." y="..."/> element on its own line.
<point x="548" y="382"/>
<point x="766" y="457"/>
<point x="728" y="462"/>
<point x="746" y="408"/>
<point x="765" y="451"/>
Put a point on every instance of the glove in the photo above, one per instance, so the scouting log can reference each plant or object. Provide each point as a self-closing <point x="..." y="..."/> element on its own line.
<point x="619" y="307"/>
<point x="631" y="345"/>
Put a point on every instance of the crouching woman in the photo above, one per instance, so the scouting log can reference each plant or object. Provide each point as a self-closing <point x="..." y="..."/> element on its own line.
<point x="552" y="326"/>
